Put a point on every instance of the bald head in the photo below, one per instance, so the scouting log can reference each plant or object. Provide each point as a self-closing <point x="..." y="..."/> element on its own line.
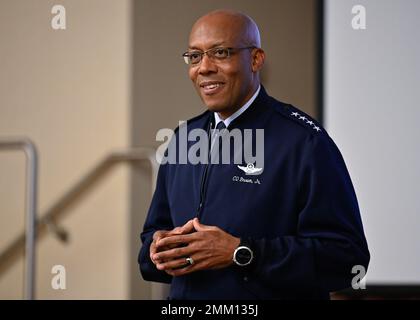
<point x="240" y="26"/>
<point x="228" y="46"/>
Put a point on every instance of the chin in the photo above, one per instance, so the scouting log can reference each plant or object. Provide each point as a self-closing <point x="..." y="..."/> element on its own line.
<point x="215" y="106"/>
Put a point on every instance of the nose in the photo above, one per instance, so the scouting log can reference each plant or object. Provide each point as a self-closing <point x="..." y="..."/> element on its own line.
<point x="207" y="65"/>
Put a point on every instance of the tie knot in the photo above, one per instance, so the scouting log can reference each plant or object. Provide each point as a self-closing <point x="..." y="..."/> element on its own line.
<point x="221" y="125"/>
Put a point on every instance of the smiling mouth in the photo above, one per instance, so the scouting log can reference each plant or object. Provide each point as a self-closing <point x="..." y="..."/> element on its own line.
<point x="211" y="87"/>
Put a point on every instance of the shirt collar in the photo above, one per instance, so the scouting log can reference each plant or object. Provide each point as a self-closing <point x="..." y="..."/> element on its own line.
<point x="228" y="120"/>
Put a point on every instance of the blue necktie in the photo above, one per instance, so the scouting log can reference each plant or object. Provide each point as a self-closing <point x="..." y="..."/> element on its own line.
<point x="215" y="153"/>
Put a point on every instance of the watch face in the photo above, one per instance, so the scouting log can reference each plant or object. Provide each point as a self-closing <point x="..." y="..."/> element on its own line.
<point x="243" y="256"/>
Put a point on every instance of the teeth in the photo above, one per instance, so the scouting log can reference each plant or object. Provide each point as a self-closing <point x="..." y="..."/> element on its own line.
<point x="212" y="86"/>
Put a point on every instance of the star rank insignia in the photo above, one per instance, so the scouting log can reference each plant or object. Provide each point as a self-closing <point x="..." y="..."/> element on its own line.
<point x="306" y="120"/>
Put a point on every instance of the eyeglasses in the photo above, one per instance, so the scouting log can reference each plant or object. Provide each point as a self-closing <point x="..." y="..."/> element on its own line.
<point x="216" y="54"/>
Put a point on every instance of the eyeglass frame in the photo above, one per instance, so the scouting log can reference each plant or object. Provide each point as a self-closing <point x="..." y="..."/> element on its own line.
<point x="185" y="55"/>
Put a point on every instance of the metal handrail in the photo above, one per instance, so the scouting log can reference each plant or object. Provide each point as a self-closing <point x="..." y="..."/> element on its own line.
<point x="50" y="219"/>
<point x="29" y="236"/>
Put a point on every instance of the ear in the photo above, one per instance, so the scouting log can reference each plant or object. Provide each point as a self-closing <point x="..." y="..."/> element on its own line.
<point x="258" y="58"/>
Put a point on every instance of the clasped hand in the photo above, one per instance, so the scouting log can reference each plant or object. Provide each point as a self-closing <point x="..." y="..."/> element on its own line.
<point x="210" y="248"/>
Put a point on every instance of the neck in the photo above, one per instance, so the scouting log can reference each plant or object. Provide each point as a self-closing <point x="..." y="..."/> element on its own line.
<point x="226" y="114"/>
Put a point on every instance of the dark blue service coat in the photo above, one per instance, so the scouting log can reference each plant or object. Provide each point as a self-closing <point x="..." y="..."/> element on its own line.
<point x="302" y="216"/>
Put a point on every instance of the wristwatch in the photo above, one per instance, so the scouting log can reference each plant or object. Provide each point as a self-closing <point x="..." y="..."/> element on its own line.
<point x="243" y="254"/>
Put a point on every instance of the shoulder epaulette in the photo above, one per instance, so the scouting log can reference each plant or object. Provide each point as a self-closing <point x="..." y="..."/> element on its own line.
<point x="299" y="117"/>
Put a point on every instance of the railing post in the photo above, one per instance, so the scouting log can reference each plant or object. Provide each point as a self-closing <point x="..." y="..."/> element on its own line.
<point x="35" y="229"/>
<point x="30" y="207"/>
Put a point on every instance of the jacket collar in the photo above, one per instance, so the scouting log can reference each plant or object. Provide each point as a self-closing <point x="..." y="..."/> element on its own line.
<point x="259" y="106"/>
<point x="235" y="115"/>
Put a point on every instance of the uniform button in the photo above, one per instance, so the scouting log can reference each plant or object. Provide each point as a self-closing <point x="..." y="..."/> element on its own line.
<point x="245" y="278"/>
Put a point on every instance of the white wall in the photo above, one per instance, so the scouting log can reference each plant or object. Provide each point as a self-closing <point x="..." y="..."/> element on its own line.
<point x="372" y="112"/>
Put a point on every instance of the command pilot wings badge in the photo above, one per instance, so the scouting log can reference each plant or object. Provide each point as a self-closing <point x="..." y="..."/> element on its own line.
<point x="250" y="169"/>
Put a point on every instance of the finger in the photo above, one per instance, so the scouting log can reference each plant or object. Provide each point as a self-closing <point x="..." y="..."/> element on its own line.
<point x="188" y="227"/>
<point x="159" y="234"/>
<point x="176" y="263"/>
<point x="164" y="248"/>
<point x="174" y="253"/>
<point x="156" y="234"/>
<point x="186" y="270"/>
<point x="175" y="240"/>
<point x="177" y="230"/>
<point x="152" y="251"/>
<point x="202" y="227"/>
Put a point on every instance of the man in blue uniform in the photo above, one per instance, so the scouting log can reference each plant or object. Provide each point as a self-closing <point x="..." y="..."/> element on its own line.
<point x="288" y="229"/>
